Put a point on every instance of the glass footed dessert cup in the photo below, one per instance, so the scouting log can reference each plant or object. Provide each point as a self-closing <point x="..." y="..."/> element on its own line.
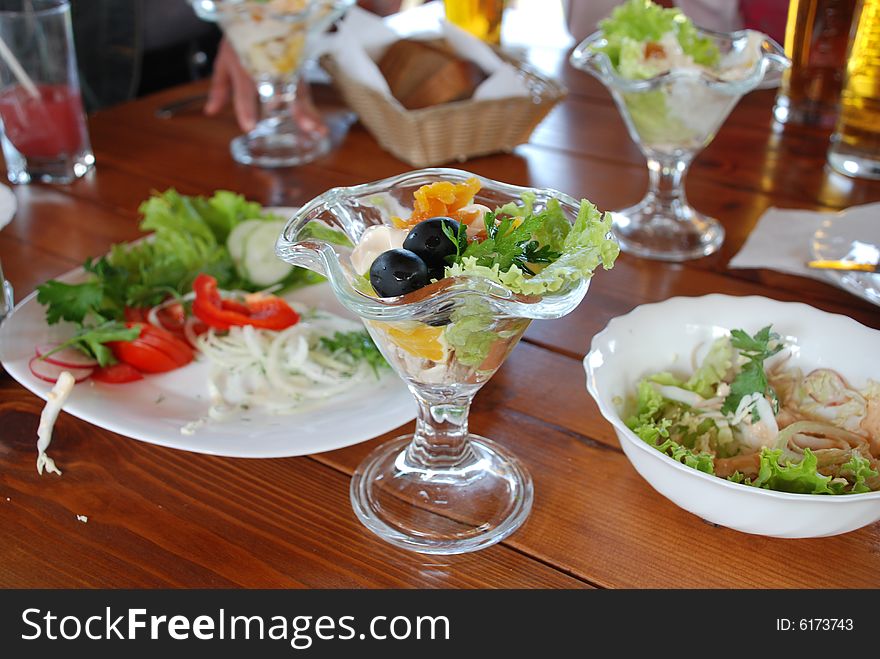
<point x="273" y="39"/>
<point x="441" y="489"/>
<point x="672" y="117"/>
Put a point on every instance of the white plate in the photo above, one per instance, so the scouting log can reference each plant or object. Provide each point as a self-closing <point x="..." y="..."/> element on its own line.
<point x="852" y="235"/>
<point x="8" y="205"/>
<point x="154" y="409"/>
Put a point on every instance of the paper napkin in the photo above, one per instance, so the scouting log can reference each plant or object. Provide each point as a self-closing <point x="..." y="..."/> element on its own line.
<point x="781" y="241"/>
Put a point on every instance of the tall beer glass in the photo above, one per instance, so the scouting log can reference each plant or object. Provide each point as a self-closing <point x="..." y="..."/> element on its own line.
<point x="816" y="37"/>
<point x="482" y="18"/>
<point x="855" y="145"/>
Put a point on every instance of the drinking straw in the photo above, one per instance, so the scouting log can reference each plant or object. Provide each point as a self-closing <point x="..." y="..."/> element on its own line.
<point x="17" y="70"/>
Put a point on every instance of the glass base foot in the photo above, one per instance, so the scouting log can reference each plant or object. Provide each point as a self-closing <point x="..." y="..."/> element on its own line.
<point x="288" y="144"/>
<point x="57" y="171"/>
<point x="656" y="232"/>
<point x="852" y="163"/>
<point x="464" y="507"/>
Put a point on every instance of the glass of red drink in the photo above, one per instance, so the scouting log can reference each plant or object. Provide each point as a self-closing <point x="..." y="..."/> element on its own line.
<point x="44" y="135"/>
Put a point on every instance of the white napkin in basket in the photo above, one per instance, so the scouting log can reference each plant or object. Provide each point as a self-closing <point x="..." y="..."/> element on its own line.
<point x="362" y="37"/>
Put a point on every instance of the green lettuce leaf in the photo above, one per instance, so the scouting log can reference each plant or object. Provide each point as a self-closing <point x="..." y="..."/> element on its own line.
<point x="652" y="426"/>
<point x="224" y="210"/>
<point x="716" y="365"/>
<point x="469" y="332"/>
<point x="857" y="471"/>
<point x="321" y="231"/>
<point x="643" y="21"/>
<point x="633" y="65"/>
<point x="688" y="457"/>
<point x="585" y="246"/>
<point x="797" y="477"/>
<point x="804" y="478"/>
<point x="653" y="122"/>
<point x="554" y="227"/>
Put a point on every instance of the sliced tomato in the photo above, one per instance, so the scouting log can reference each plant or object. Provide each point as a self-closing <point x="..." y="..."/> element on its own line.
<point x="117" y="373"/>
<point x="164" y="341"/>
<point x="142" y="356"/>
<point x="155" y="350"/>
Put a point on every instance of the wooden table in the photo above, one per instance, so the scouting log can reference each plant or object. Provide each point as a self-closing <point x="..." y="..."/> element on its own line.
<point x="159" y="517"/>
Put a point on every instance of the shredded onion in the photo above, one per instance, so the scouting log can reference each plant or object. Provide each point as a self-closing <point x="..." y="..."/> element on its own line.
<point x="277" y="371"/>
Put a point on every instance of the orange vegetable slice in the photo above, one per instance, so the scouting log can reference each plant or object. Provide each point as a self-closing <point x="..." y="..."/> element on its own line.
<point x="417" y="339"/>
<point x="442" y="198"/>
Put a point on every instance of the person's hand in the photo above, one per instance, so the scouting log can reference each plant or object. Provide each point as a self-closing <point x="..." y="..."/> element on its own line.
<point x="231" y="80"/>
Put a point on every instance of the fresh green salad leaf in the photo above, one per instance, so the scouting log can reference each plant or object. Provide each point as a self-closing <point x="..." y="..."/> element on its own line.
<point x="71" y="302"/>
<point x="358" y="345"/>
<point x="700" y="461"/>
<point x="796" y="477"/>
<point x="858" y="470"/>
<point x="716" y="366"/>
<point x="649" y="424"/>
<point x="641" y="21"/>
<point x="751" y="379"/>
<point x="653" y="121"/>
<point x="585" y="245"/>
<point x="189" y="238"/>
<point x="804" y="478"/>
<point x="459" y="239"/>
<point x="321" y="231"/>
<point x="468" y="333"/>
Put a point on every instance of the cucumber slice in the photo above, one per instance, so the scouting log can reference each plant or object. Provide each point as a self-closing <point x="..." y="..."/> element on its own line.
<point x="238" y="237"/>
<point x="258" y="261"/>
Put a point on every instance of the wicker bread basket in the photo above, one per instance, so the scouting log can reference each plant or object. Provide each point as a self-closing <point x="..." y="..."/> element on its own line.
<point x="452" y="131"/>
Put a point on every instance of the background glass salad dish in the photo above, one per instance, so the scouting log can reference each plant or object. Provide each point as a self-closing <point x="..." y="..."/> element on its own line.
<point x="442" y="489"/>
<point x="273" y="39"/>
<point x="674" y="85"/>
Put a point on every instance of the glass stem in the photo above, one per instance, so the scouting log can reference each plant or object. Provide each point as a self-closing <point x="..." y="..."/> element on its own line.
<point x="441" y="437"/>
<point x="276" y="99"/>
<point x="666" y="183"/>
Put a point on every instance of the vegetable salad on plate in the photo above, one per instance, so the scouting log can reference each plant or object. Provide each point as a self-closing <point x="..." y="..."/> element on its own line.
<point x="746" y="416"/>
<point x="205" y="285"/>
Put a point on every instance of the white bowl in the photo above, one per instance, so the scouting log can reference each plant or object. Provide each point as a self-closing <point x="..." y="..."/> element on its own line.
<point x="663" y="336"/>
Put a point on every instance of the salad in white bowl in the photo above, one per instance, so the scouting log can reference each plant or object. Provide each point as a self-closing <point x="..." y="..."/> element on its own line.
<point x="754" y="414"/>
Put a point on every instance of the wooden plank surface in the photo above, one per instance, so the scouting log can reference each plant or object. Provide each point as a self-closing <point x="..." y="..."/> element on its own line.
<point x="159" y="517"/>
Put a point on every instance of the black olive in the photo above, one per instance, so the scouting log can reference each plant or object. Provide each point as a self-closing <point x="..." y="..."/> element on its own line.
<point x="442" y="317"/>
<point x="398" y="272"/>
<point x="436" y="272"/>
<point x="428" y="240"/>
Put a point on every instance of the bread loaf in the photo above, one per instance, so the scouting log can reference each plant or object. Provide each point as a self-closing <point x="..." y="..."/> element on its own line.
<point x="421" y="74"/>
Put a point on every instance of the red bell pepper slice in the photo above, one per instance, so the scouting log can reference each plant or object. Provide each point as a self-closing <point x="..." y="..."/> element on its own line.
<point x="262" y="311"/>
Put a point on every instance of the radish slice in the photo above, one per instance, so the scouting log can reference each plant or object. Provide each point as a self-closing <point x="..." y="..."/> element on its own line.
<point x="50" y="372"/>
<point x="67" y="357"/>
<point x="193" y="329"/>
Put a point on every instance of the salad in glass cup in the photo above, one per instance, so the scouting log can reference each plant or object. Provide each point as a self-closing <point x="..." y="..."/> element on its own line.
<point x="273" y="39"/>
<point x="674" y="85"/>
<point x="447" y="270"/>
